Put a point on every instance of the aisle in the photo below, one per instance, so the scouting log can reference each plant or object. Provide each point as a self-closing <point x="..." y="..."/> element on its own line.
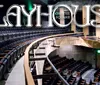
<point x="16" y="76"/>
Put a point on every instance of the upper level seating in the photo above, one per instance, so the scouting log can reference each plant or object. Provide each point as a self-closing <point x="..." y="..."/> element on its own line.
<point x="12" y="33"/>
<point x="13" y="42"/>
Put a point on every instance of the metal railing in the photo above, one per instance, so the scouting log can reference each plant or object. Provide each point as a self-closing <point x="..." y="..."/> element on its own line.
<point x="65" y="82"/>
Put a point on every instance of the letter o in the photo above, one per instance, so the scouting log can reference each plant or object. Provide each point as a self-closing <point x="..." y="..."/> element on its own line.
<point x="54" y="20"/>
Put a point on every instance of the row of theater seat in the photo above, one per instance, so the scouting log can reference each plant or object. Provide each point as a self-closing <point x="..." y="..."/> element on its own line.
<point x="70" y="66"/>
<point x="11" y="34"/>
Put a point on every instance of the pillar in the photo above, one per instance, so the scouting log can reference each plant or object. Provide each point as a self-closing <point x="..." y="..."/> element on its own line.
<point x="84" y="16"/>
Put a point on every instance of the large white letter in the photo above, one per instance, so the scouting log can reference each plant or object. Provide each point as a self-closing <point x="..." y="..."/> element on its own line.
<point x="17" y="14"/>
<point x="4" y="20"/>
<point x="87" y="7"/>
<point x="28" y="15"/>
<point x="44" y="14"/>
<point x="64" y="6"/>
<point x="93" y="22"/>
<point x="50" y="16"/>
<point x="38" y="16"/>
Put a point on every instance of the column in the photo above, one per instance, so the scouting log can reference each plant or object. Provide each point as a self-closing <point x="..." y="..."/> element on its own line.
<point x="62" y="20"/>
<point x="85" y="29"/>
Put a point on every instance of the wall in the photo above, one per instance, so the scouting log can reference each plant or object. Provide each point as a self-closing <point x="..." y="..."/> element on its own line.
<point x="94" y="44"/>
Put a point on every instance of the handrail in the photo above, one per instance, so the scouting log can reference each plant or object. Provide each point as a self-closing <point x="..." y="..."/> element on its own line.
<point x="28" y="76"/>
<point x="66" y="83"/>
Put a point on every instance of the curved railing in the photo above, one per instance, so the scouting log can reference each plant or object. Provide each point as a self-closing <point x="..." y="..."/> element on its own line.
<point x="28" y="75"/>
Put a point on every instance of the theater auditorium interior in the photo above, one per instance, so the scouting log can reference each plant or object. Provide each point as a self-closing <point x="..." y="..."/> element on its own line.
<point x="50" y="55"/>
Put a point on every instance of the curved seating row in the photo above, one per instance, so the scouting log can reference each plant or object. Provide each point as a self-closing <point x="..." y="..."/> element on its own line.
<point x="67" y="67"/>
<point x="11" y="34"/>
